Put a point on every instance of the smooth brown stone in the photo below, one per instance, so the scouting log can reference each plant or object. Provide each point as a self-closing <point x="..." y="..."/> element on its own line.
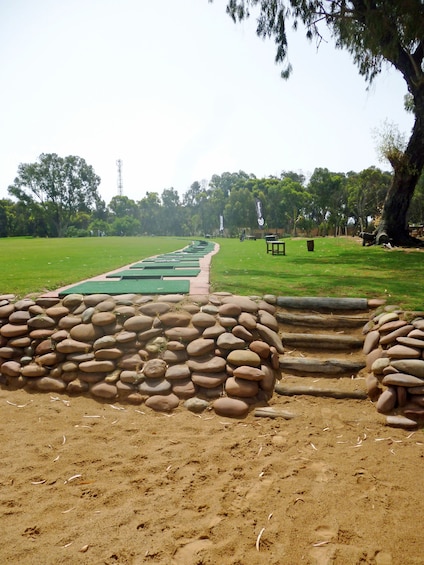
<point x="138" y="323"/>
<point x="229" y="310"/>
<point x="387" y="401"/>
<point x="19" y="342"/>
<point x="104" y="390"/>
<point x="242" y="333"/>
<point x="96" y="366"/>
<point x="269" y="379"/>
<point x="71" y="301"/>
<point x="200" y="346"/>
<point x="373" y="356"/>
<point x="125" y="337"/>
<point x="372" y="386"/>
<point x="416" y="390"/>
<point x="231" y="407"/>
<point x="85" y="332"/>
<point x="268" y="320"/>
<point x="112" y="353"/>
<point x="175" y="346"/>
<point x="24" y="304"/>
<point x="412" y="366"/>
<point x="203" y="320"/>
<point x="177" y="372"/>
<point x="213" y="331"/>
<point x="172" y="357"/>
<point x="72" y="346"/>
<point x="244" y="357"/>
<point x="403" y="352"/>
<point x="154" y="386"/>
<point x="245" y="303"/>
<point x="94" y="299"/>
<point x="391" y="326"/>
<point x="247" y="320"/>
<point x="11" y="369"/>
<point x="33" y="371"/>
<point x="211" y="364"/>
<point x="386" y="318"/>
<point x="68" y="322"/>
<point x="402" y="379"/>
<point x="184" y="389"/>
<point x="47" y="384"/>
<point x="379" y="365"/>
<point x="20" y="317"/>
<point x="182" y="333"/>
<point x="9" y="352"/>
<point x="208" y="380"/>
<point x="103" y="318"/>
<point x="227" y="321"/>
<point x="155" y="308"/>
<point x="261" y="348"/>
<point x="248" y="373"/>
<point x="271" y="337"/>
<point x="417" y="334"/>
<point x="228" y="342"/>
<point x="163" y="403"/>
<point x="155" y="368"/>
<point x="41" y="322"/>
<point x="241" y="388"/>
<point x="175" y="319"/>
<point x="400" y="422"/>
<point x="12" y="330"/>
<point x="147" y="335"/>
<point x="6" y="310"/>
<point x="57" y="311"/>
<point x="371" y="341"/>
<point x="411" y="342"/>
<point x="50" y="359"/>
<point x="130" y="362"/>
<point x="107" y="305"/>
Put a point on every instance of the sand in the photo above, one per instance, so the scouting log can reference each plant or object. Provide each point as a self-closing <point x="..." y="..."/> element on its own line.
<point x="91" y="483"/>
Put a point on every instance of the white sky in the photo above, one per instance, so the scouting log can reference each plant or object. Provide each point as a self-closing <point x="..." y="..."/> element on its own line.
<point x="179" y="93"/>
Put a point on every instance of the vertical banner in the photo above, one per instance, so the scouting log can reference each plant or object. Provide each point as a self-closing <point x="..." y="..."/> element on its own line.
<point x="221" y="223"/>
<point x="258" y="206"/>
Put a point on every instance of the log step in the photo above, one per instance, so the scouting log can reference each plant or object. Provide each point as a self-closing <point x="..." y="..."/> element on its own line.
<point x="327" y="367"/>
<point x="321" y="341"/>
<point x="322" y="392"/>
<point x="314" y="320"/>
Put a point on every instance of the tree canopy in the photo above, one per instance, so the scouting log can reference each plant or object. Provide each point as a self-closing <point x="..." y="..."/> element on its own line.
<point x="374" y="32"/>
<point x="57" y="188"/>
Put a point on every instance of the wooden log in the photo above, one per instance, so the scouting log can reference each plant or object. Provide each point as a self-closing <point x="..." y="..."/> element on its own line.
<point x="321" y="341"/>
<point x="328" y="367"/>
<point x="322" y="303"/>
<point x="314" y="320"/>
<point x="315" y="391"/>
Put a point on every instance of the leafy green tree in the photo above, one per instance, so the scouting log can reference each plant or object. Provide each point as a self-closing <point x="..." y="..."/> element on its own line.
<point x="373" y="32"/>
<point x="240" y="210"/>
<point x="366" y="192"/>
<point x="61" y="186"/>
<point x="150" y="207"/>
<point x="121" y="206"/>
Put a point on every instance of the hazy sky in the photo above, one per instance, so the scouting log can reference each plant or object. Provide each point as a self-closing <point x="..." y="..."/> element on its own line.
<point x="178" y="92"/>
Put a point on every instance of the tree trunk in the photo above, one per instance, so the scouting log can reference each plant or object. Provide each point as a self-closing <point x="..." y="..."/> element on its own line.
<point x="393" y="227"/>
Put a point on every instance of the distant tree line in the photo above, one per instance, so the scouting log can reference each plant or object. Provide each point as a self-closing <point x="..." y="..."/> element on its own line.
<point x="58" y="197"/>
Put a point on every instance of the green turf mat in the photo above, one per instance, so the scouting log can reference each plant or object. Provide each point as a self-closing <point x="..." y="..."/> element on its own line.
<point x="159" y="265"/>
<point x="129" y="286"/>
<point x="153" y="273"/>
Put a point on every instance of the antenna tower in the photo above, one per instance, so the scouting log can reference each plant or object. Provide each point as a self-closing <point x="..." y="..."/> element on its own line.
<point x="119" y="165"/>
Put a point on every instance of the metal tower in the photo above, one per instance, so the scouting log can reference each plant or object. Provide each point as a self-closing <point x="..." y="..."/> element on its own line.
<point x="119" y="165"/>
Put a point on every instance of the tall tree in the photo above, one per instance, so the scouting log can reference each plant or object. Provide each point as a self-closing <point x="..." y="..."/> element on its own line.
<point x="373" y="32"/>
<point x="62" y="186"/>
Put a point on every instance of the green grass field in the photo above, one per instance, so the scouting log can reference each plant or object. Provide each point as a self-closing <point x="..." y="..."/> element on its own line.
<point x="337" y="266"/>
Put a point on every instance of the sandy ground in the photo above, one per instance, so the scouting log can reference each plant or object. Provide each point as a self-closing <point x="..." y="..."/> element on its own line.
<point x="83" y="482"/>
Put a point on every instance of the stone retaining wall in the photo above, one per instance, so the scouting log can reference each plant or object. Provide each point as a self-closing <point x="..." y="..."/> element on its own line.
<point x="394" y="349"/>
<point x="220" y="350"/>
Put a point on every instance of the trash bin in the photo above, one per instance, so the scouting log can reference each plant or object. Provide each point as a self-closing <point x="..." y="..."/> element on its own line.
<point x="310" y="244"/>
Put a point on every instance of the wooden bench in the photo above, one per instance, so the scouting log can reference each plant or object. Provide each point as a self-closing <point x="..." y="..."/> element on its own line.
<point x="276" y="247"/>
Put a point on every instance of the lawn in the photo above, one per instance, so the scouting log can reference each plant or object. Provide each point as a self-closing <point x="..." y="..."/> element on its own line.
<point x="337" y="266"/>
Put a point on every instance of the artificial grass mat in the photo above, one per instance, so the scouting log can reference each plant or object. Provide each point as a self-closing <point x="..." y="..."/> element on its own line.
<point x="130" y="286"/>
<point x="153" y="273"/>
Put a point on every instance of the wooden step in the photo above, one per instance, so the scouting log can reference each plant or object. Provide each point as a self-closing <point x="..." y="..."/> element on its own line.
<point x="321" y="341"/>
